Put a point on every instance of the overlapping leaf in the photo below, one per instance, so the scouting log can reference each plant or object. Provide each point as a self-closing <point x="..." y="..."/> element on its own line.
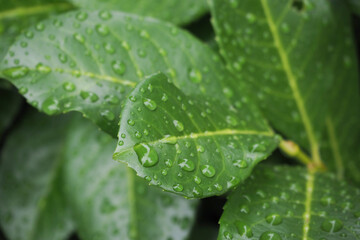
<point x="291" y="203"/>
<point x="178" y="12"/>
<point x="17" y="15"/>
<point x="32" y="204"/>
<point x="354" y="6"/>
<point x="9" y="106"/>
<point x="191" y="146"/>
<point x="109" y="201"/>
<point x="289" y="52"/>
<point x="89" y="61"/>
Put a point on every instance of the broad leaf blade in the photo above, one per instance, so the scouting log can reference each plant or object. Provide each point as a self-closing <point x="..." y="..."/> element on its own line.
<point x="178" y="12"/>
<point x="32" y="203"/>
<point x="291" y="203"/>
<point x="9" y="107"/>
<point x="109" y="201"/>
<point x="195" y="148"/>
<point x="90" y="61"/>
<point x="354" y="6"/>
<point x="17" y="15"/>
<point x="289" y="54"/>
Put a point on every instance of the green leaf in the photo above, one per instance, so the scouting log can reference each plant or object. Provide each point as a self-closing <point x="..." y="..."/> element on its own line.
<point x="32" y="204"/>
<point x="108" y="200"/>
<point x="178" y="12"/>
<point x="291" y="203"/>
<point x="289" y="53"/>
<point x="17" y="15"/>
<point x="9" y="107"/>
<point x="90" y="61"/>
<point x="196" y="148"/>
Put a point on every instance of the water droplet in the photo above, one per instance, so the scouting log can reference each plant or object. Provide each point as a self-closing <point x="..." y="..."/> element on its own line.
<point x="243" y="229"/>
<point x="326" y="201"/>
<point x="228" y="236"/>
<point x="108" y="115"/>
<point x="150" y="104"/>
<point x="285" y="28"/>
<point x="178" y="187"/>
<point x="169" y="139"/>
<point x="186" y="164"/>
<point x="105" y="15"/>
<point x="43" y="68"/>
<point x="147" y="155"/>
<point x="80" y="38"/>
<point x="81" y="16"/>
<point x="102" y="29"/>
<point x="197" y="191"/>
<point x="40" y="27"/>
<point x="112" y="99"/>
<point x="332" y="225"/>
<point x="164" y="97"/>
<point x="131" y="122"/>
<point x="200" y="149"/>
<point x="69" y="86"/>
<point x="270" y="236"/>
<point x="121" y="142"/>
<point x="142" y="53"/>
<point x="195" y="75"/>
<point x="62" y="58"/>
<point x="16" y="72"/>
<point x="178" y="125"/>
<point x="250" y="17"/>
<point x="168" y="163"/>
<point x="23" y="90"/>
<point x="231" y="120"/>
<point x="240" y="163"/>
<point x="207" y="170"/>
<point x="118" y="67"/>
<point x="274" y="219"/>
<point x="50" y="106"/>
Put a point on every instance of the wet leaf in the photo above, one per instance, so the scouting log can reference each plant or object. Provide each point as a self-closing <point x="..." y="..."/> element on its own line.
<point x="291" y="203"/>
<point x="90" y="61"/>
<point x="32" y="204"/>
<point x="178" y="12"/>
<point x="18" y="15"/>
<point x="194" y="147"/>
<point x="109" y="201"/>
<point x="289" y="53"/>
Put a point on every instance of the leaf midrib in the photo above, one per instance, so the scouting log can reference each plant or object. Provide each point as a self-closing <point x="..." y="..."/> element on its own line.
<point x="34" y="10"/>
<point x="293" y="83"/>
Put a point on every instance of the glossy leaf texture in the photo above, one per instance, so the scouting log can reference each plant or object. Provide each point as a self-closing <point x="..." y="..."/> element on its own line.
<point x="32" y="204"/>
<point x="289" y="54"/>
<point x="17" y="15"/>
<point x="178" y="12"/>
<point x="109" y="201"/>
<point x="90" y="61"/>
<point x="9" y="106"/>
<point x="291" y="203"/>
<point x="195" y="147"/>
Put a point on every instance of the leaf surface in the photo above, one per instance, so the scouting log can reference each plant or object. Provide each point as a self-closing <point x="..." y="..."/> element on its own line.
<point x="194" y="147"/>
<point x="32" y="204"/>
<point x="178" y="12"/>
<point x="291" y="203"/>
<point x="109" y="201"/>
<point x="9" y="107"/>
<point x="90" y="61"/>
<point x="17" y="15"/>
<point x="289" y="53"/>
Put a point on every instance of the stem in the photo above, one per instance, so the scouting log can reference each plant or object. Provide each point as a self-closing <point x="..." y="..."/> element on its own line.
<point x="293" y="150"/>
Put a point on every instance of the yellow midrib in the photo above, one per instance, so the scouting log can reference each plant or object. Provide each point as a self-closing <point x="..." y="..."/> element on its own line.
<point x="34" y="10"/>
<point x="293" y="84"/>
<point x="335" y="148"/>
<point x="308" y="199"/>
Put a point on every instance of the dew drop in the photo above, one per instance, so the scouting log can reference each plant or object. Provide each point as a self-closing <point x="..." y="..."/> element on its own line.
<point x="197" y="192"/>
<point x="105" y="15"/>
<point x="178" y="187"/>
<point x="150" y="104"/>
<point x="274" y="219"/>
<point x="102" y="29"/>
<point x="207" y="170"/>
<point x="131" y="122"/>
<point x="146" y="154"/>
<point x="243" y="229"/>
<point x="270" y="236"/>
<point x="50" y="106"/>
<point x="16" y="72"/>
<point x="332" y="225"/>
<point x="81" y="16"/>
<point x="231" y="120"/>
<point x="240" y="163"/>
<point x="112" y="99"/>
<point x="80" y="38"/>
<point x="69" y="86"/>
<point x="251" y="18"/>
<point x="164" y="97"/>
<point x="118" y="67"/>
<point x="195" y="75"/>
<point x="108" y="115"/>
<point x="178" y="125"/>
<point x="197" y="179"/>
<point x="186" y="164"/>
